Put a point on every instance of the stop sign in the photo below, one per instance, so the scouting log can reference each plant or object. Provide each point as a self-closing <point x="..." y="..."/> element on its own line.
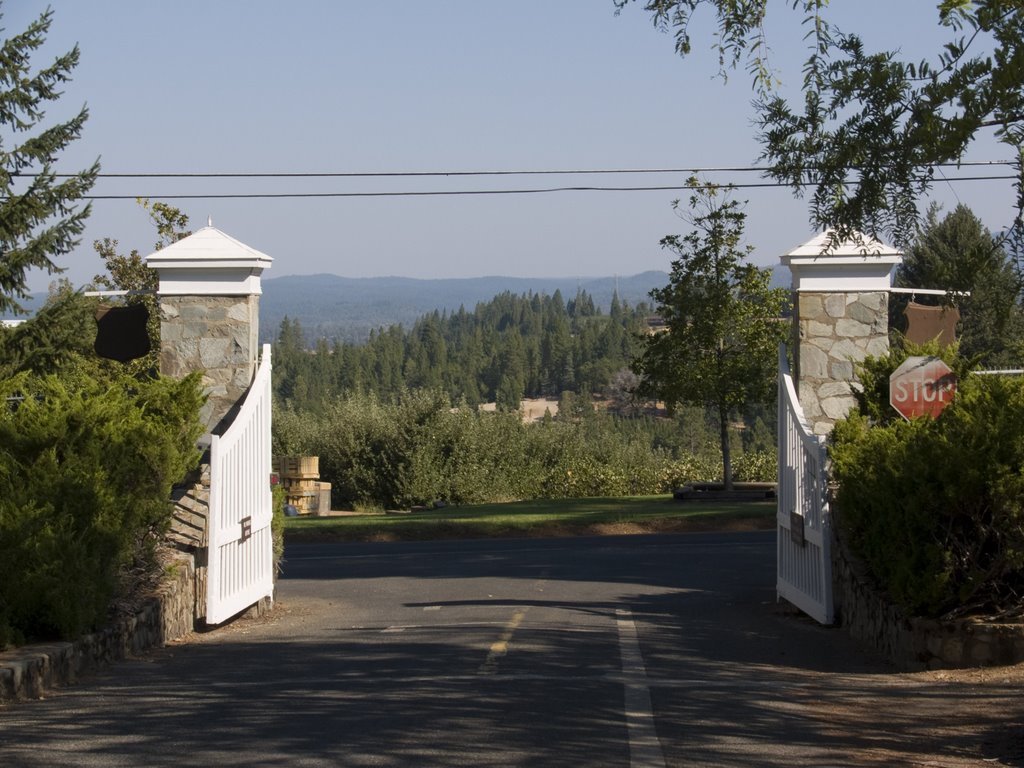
<point x="921" y="386"/>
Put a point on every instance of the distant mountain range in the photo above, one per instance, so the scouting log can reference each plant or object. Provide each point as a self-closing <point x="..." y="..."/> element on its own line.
<point x="348" y="308"/>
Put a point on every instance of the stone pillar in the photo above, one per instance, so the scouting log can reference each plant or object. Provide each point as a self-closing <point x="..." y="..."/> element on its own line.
<point x="209" y="315"/>
<point x="841" y="315"/>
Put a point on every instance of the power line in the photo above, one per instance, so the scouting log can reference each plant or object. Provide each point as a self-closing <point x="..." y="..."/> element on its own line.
<point x="456" y="173"/>
<point x="479" y="192"/>
<point x="415" y="174"/>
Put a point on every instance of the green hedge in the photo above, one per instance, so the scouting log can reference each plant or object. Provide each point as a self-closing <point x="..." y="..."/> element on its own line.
<point x="420" y="450"/>
<point x="936" y="507"/>
<point x="86" y="468"/>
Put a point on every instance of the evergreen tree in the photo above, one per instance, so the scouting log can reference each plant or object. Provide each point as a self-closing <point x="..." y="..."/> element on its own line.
<point x="39" y="218"/>
<point x="52" y="341"/>
<point x="289" y="358"/>
<point x="530" y="339"/>
<point x="958" y="254"/>
<point x="509" y="395"/>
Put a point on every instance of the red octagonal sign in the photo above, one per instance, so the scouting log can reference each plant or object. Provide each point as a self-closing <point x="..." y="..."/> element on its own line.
<point x="921" y="386"/>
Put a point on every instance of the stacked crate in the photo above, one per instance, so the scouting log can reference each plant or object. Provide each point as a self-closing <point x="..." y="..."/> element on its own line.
<point x="300" y="476"/>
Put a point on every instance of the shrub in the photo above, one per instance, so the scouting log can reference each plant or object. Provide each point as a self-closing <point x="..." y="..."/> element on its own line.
<point x="277" y="503"/>
<point x="936" y="508"/>
<point x="86" y="469"/>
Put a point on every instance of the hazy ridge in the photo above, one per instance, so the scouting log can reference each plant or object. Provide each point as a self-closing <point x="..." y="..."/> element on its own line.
<point x="349" y="308"/>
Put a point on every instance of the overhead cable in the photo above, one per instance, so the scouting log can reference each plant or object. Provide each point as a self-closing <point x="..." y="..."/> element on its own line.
<point x="456" y="173"/>
<point x="472" y="192"/>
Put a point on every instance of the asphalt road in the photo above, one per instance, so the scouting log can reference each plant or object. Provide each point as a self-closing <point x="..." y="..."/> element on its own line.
<point x="618" y="651"/>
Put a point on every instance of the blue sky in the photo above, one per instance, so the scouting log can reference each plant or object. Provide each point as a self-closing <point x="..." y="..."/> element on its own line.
<point x="403" y="86"/>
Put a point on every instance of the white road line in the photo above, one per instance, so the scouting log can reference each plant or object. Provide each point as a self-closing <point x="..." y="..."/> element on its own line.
<point x="644" y="747"/>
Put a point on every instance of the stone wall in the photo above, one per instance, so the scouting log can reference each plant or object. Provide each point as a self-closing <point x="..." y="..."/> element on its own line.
<point x="834" y="332"/>
<point x="913" y="643"/>
<point x="189" y="530"/>
<point x="216" y="335"/>
<point x="29" y="671"/>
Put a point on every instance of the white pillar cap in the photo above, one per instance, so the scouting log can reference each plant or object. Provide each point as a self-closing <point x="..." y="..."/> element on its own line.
<point x="209" y="263"/>
<point x="857" y="265"/>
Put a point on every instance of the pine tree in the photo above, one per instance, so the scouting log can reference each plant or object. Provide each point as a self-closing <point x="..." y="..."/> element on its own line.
<point x="39" y="220"/>
<point x="958" y="254"/>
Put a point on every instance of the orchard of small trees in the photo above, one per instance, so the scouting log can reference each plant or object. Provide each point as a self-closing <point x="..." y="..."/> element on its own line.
<point x="396" y="421"/>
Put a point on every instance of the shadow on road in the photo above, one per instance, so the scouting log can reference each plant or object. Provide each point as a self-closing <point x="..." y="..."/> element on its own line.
<point x="735" y="678"/>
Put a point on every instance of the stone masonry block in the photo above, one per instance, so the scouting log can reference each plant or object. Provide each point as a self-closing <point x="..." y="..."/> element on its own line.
<point x="878" y="346"/>
<point x="874" y="301"/>
<point x="239" y="312"/>
<point x="847" y="328"/>
<point x="213" y="352"/>
<point x="816" y="329"/>
<point x="846" y="350"/>
<point x="809" y="401"/>
<point x="824" y="343"/>
<point x="196" y="328"/>
<point x="810" y="306"/>
<point x="243" y="378"/>
<point x="191" y="311"/>
<point x="813" y="362"/>
<point x="841" y="370"/>
<point x="834" y="389"/>
<point x="170" y="332"/>
<point x="862" y="313"/>
<point x="838" y="407"/>
<point x="835" y="305"/>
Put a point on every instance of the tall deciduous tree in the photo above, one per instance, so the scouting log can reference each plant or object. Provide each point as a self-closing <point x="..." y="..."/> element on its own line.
<point x="722" y="319"/>
<point x="39" y="217"/>
<point x="872" y="127"/>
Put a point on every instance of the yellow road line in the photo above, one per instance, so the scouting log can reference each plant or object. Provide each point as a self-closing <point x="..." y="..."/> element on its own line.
<point x="499" y="648"/>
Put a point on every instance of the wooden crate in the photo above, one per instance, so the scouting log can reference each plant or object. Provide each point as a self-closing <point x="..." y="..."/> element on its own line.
<point x="297" y="486"/>
<point x="306" y="503"/>
<point x="306" y="467"/>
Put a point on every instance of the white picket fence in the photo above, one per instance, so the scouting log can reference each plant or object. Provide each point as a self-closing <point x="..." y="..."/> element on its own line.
<point x="240" y="546"/>
<point x="804" y="558"/>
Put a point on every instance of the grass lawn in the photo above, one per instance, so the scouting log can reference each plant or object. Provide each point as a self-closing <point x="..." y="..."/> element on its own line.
<point x="559" y="517"/>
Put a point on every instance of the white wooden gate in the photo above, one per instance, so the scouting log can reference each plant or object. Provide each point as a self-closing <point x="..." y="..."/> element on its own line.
<point x="240" y="546"/>
<point x="804" y="560"/>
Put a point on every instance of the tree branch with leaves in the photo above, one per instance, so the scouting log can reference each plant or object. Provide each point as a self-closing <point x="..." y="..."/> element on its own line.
<point x="873" y="127"/>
